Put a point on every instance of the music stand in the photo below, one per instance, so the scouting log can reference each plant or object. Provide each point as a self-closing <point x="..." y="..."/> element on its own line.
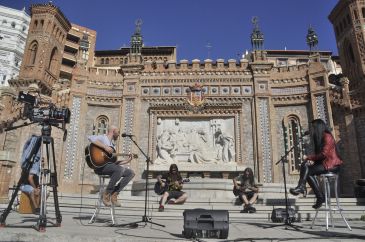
<point x="287" y="220"/>
<point x="145" y="219"/>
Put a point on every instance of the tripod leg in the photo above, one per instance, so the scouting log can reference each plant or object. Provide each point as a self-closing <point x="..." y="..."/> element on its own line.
<point x="6" y="212"/>
<point x="54" y="184"/>
<point x="29" y="159"/>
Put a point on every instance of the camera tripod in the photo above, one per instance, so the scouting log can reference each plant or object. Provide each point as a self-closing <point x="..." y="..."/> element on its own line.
<point x="48" y="176"/>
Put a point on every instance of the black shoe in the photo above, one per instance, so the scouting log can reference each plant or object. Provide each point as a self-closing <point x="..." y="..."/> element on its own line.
<point x="296" y="191"/>
<point x="37" y="211"/>
<point x="244" y="210"/>
<point x="251" y="209"/>
<point x="318" y="203"/>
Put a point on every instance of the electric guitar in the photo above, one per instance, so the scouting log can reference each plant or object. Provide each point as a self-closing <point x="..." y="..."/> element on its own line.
<point x="97" y="157"/>
<point x="159" y="189"/>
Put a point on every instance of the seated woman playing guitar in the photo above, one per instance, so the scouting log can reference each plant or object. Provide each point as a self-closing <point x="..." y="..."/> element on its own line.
<point x="173" y="186"/>
<point x="119" y="175"/>
<point x="246" y="190"/>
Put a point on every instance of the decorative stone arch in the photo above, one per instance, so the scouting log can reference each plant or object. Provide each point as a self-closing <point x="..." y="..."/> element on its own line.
<point x="32" y="53"/>
<point x="348" y="52"/>
<point x="53" y="61"/>
<point x="293" y="131"/>
<point x="101" y="125"/>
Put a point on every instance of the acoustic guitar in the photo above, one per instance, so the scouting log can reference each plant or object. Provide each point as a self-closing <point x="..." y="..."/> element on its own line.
<point x="97" y="157"/>
<point x="159" y="189"/>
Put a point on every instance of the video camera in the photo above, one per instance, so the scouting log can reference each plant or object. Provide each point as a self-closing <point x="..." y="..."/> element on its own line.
<point x="49" y="114"/>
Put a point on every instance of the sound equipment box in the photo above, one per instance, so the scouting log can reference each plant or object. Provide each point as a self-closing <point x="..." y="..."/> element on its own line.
<point x="279" y="215"/>
<point x="202" y="223"/>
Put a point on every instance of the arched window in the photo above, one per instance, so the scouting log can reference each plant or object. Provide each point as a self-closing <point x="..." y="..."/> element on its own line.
<point x="101" y="125"/>
<point x="33" y="52"/>
<point x="292" y="134"/>
<point x="102" y="61"/>
<point x="53" y="61"/>
<point x="107" y="61"/>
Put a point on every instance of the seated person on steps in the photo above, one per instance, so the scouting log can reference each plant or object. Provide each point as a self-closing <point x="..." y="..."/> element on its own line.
<point x="30" y="185"/>
<point x="173" y="187"/>
<point x="120" y="175"/>
<point x="246" y="189"/>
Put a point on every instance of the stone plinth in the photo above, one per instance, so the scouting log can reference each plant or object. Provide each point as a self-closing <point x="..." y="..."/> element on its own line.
<point x="209" y="170"/>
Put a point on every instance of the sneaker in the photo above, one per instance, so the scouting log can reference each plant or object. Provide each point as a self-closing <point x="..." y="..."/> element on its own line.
<point x="244" y="211"/>
<point x="161" y="208"/>
<point x="114" y="199"/>
<point x="106" y="199"/>
<point x="251" y="210"/>
<point x="171" y="202"/>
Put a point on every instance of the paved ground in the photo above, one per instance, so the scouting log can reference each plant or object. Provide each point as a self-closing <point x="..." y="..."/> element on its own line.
<point x="75" y="227"/>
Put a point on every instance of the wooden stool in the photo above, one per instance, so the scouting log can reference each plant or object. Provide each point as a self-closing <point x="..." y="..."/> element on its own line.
<point x="25" y="205"/>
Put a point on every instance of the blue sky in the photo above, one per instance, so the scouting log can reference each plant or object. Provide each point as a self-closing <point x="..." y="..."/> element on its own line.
<point x="191" y="24"/>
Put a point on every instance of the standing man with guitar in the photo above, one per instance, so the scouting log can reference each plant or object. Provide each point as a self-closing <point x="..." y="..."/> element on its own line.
<point x="172" y="187"/>
<point x="120" y="175"/>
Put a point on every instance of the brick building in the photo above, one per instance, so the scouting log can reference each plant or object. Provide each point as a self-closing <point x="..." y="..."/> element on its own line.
<point x="212" y="118"/>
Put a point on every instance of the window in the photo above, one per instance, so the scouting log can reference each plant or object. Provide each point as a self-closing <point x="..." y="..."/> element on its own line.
<point x="101" y="125"/>
<point x="107" y="61"/>
<point x="33" y="53"/>
<point x="292" y="134"/>
<point x="53" y="61"/>
<point x="355" y="14"/>
<point x="13" y="25"/>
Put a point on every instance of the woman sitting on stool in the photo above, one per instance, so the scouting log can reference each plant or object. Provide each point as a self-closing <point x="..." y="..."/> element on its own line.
<point x="326" y="159"/>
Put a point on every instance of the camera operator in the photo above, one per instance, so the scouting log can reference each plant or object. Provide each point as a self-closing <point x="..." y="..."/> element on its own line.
<point x="30" y="185"/>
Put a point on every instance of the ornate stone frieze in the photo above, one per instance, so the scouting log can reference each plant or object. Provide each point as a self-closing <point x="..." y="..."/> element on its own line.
<point x="104" y="92"/>
<point x="159" y="80"/>
<point x="289" y="90"/>
<point x="321" y="107"/>
<point x="264" y="125"/>
<point x="128" y="123"/>
<point x="72" y="138"/>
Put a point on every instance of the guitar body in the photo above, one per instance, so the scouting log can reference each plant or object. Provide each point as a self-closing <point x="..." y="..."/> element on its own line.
<point x="236" y="191"/>
<point x="96" y="157"/>
<point x="161" y="190"/>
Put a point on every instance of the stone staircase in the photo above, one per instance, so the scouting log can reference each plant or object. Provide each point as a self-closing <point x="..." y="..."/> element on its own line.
<point x="271" y="196"/>
<point x="207" y="195"/>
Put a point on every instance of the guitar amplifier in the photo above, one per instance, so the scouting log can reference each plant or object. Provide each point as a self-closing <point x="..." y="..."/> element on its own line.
<point x="202" y="223"/>
<point x="279" y="215"/>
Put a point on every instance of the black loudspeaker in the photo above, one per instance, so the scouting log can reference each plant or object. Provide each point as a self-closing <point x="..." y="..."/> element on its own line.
<point x="278" y="215"/>
<point x="202" y="223"/>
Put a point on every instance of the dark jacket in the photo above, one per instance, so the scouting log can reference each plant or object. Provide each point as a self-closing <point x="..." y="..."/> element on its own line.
<point x="328" y="155"/>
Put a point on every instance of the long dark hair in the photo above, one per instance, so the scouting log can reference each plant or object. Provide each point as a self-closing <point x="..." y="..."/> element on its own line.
<point x="250" y="175"/>
<point x="318" y="129"/>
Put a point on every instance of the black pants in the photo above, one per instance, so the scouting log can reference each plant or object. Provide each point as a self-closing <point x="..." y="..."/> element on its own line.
<point x="308" y="173"/>
<point x="120" y="176"/>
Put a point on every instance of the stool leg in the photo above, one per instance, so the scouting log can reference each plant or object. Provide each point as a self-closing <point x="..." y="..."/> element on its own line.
<point x="314" y="219"/>
<point x="339" y="207"/>
<point x="98" y="203"/>
<point x="326" y="200"/>
<point x="329" y="200"/>
<point x="112" y="213"/>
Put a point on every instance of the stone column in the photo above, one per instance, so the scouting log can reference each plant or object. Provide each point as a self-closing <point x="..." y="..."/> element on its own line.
<point x="6" y="167"/>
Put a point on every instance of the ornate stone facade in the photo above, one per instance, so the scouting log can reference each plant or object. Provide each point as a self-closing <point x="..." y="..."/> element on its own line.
<point x="245" y="111"/>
